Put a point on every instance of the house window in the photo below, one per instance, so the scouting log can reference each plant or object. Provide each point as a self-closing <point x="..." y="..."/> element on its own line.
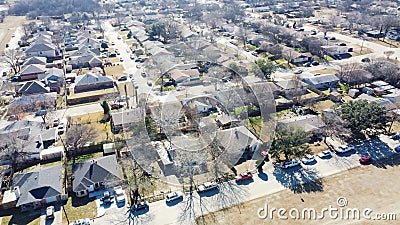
<point x="82" y="192"/>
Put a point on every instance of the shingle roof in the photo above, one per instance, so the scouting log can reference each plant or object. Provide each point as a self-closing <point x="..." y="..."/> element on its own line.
<point x="321" y="79"/>
<point x="127" y="116"/>
<point x="35" y="60"/>
<point x="39" y="47"/>
<point x="32" y="69"/>
<point x="94" y="171"/>
<point x="38" y="184"/>
<point x="89" y="78"/>
<point x="307" y="122"/>
<point x="33" y="87"/>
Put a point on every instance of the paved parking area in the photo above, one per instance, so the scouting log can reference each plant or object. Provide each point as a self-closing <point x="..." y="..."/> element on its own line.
<point x="57" y="216"/>
<point x="103" y="208"/>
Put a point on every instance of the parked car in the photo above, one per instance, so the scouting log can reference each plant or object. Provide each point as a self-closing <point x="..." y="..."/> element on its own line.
<point x="15" y="79"/>
<point x="60" y="128"/>
<point x="50" y="212"/>
<point x="308" y="159"/>
<point x="140" y="206"/>
<point x="143" y="74"/>
<point x="122" y="78"/>
<point x="315" y="63"/>
<point x="298" y="71"/>
<point x="149" y="83"/>
<point x="207" y="186"/>
<point x="324" y="154"/>
<point x="344" y="148"/>
<point x="290" y="163"/>
<point x="107" y="199"/>
<point x="131" y="75"/>
<point x="56" y="122"/>
<point x="174" y="196"/>
<point x="342" y="44"/>
<point x="243" y="177"/>
<point x="121" y="59"/>
<point x="332" y="38"/>
<point x="119" y="194"/>
<point x="397" y="149"/>
<point x="307" y="64"/>
<point x="138" y="59"/>
<point x="364" y="159"/>
<point x="41" y="112"/>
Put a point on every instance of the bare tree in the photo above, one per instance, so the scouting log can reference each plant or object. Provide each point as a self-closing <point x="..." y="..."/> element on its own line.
<point x="11" y="57"/>
<point x="78" y="136"/>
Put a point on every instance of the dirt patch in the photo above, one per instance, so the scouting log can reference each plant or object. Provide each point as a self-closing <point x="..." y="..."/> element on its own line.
<point x="8" y="27"/>
<point x="363" y="187"/>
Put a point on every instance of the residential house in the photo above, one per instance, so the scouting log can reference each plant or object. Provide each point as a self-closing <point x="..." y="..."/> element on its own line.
<point x="236" y="141"/>
<point x="385" y="102"/>
<point x="292" y="87"/>
<point x="29" y="103"/>
<point x="375" y="34"/>
<point x="89" y="87"/>
<point x="34" y="60"/>
<point x="31" y="72"/>
<point x="91" y="82"/>
<point x="323" y="81"/>
<point x="85" y="61"/>
<point x="295" y="56"/>
<point x="125" y="118"/>
<point x="309" y="123"/>
<point x="47" y="137"/>
<point x="90" y="43"/>
<point x="180" y="76"/>
<point x="53" y="78"/>
<point x="33" y="88"/>
<point x="42" y="49"/>
<point x="38" y="188"/>
<point x="335" y="49"/>
<point x="93" y="174"/>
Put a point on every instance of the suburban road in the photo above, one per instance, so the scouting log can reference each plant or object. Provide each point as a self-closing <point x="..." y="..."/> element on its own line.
<point x="268" y="181"/>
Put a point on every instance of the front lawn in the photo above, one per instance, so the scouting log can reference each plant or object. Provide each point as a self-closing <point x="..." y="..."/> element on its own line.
<point x="15" y="216"/>
<point x="78" y="208"/>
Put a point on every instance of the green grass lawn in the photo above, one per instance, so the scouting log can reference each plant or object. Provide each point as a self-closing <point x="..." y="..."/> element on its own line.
<point x="78" y="208"/>
<point x="15" y="216"/>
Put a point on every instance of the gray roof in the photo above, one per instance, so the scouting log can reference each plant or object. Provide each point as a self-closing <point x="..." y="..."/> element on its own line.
<point x="94" y="171"/>
<point x="48" y="135"/>
<point x="33" y="87"/>
<point x="35" y="60"/>
<point x="89" y="78"/>
<point x="308" y="123"/>
<point x="321" y="79"/>
<point x="32" y="69"/>
<point x="38" y="184"/>
<point x="288" y="84"/>
<point x="39" y="47"/>
<point x="127" y="116"/>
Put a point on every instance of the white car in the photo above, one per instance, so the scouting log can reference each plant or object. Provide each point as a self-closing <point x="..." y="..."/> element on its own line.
<point x="324" y="154"/>
<point x="290" y="163"/>
<point x="308" y="159"/>
<point x="119" y="194"/>
<point x="207" y="186"/>
<point x="174" y="196"/>
<point x="344" y="148"/>
<point x="60" y="128"/>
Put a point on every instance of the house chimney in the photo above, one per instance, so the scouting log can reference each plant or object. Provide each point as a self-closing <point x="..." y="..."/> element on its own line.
<point x="17" y="192"/>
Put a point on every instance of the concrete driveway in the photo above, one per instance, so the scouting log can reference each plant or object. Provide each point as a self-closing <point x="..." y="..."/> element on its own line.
<point x="57" y="216"/>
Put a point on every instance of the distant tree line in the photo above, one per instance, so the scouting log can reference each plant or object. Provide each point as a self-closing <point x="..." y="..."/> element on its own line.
<point x="34" y="8"/>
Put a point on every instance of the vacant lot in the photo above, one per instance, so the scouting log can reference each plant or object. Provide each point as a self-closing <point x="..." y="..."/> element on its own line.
<point x="8" y="27"/>
<point x="374" y="187"/>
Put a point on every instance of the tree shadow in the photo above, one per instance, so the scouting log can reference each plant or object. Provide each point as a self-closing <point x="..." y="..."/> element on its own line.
<point x="299" y="180"/>
<point x="263" y="176"/>
<point x="208" y="193"/>
<point x="382" y="155"/>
